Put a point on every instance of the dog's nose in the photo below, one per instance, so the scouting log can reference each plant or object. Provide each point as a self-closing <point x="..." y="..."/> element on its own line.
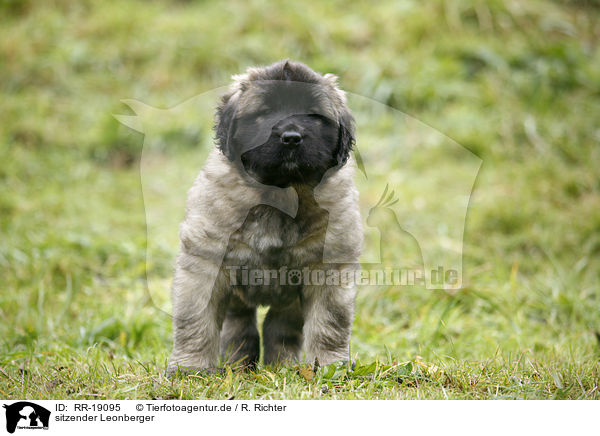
<point x="290" y="137"/>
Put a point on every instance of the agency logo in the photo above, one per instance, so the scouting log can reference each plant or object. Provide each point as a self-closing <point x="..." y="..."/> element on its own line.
<point x="26" y="415"/>
<point x="415" y="186"/>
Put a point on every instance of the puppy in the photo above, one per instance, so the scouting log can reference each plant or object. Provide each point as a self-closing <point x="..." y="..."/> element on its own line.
<point x="272" y="219"/>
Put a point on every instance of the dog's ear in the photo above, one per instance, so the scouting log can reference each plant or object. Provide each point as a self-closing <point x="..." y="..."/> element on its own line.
<point x="224" y="124"/>
<point x="346" y="137"/>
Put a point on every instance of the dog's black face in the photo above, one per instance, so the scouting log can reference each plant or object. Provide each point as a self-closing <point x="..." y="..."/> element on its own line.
<point x="285" y="127"/>
<point x="299" y="150"/>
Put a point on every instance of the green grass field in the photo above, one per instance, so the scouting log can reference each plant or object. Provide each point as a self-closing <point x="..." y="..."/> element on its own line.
<point x="515" y="83"/>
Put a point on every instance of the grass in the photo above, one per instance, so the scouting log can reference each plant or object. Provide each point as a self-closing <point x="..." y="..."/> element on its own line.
<point x="516" y="84"/>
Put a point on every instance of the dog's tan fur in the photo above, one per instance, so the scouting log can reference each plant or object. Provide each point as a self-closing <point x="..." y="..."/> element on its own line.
<point x="233" y="220"/>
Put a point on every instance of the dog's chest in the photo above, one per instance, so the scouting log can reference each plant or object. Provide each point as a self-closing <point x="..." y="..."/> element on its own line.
<point x="268" y="241"/>
<point x="272" y="238"/>
<point x="268" y="234"/>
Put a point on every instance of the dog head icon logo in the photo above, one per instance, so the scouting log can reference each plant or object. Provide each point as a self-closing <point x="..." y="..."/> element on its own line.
<point x="24" y="414"/>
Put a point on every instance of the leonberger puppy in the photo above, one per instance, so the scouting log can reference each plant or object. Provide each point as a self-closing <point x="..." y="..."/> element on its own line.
<point x="271" y="220"/>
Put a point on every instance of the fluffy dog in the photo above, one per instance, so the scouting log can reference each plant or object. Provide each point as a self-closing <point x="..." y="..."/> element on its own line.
<point x="275" y="195"/>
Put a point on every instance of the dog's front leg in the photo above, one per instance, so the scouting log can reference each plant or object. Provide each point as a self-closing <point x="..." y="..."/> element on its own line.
<point x="328" y="317"/>
<point x="199" y="305"/>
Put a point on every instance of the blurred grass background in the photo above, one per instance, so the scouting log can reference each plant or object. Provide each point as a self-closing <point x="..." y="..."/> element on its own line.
<point x="516" y="83"/>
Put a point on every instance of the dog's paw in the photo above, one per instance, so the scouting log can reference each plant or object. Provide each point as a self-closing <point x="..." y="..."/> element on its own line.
<point x="182" y="371"/>
<point x="351" y="364"/>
